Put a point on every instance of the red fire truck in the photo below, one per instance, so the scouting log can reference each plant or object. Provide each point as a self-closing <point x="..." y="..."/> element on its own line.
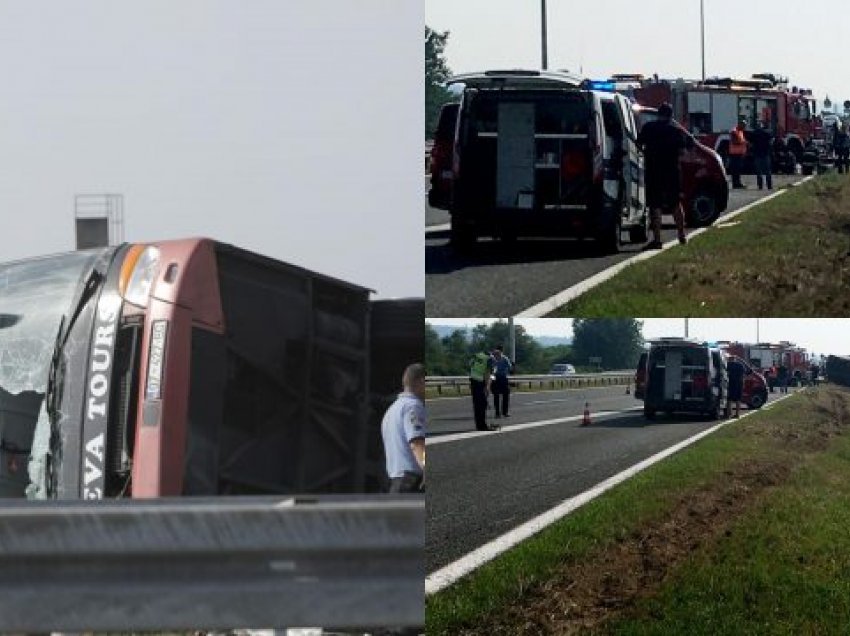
<point x="711" y="108"/>
<point x="766" y="357"/>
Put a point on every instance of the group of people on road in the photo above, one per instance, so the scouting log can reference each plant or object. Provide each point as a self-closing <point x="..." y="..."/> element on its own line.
<point x="662" y="142"/>
<point x="489" y="373"/>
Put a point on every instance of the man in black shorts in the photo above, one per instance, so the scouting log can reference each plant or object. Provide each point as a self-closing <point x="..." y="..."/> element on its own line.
<point x="662" y="142"/>
<point x="736" y="371"/>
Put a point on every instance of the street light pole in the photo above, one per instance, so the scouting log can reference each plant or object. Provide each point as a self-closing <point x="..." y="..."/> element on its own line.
<point x="511" y="340"/>
<point x="543" y="46"/>
<point x="702" y="34"/>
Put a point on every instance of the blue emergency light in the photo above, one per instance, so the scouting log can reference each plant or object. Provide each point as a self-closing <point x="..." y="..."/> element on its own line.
<point x="603" y="85"/>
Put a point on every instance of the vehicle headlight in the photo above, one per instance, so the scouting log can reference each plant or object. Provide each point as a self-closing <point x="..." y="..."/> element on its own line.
<point x="140" y="269"/>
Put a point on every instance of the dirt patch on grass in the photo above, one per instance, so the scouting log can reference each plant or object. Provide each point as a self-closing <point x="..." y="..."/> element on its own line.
<point x="583" y="596"/>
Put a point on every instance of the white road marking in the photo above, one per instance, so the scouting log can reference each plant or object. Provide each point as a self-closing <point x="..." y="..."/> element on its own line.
<point x="456" y="437"/>
<point x="560" y="299"/>
<point x="451" y="573"/>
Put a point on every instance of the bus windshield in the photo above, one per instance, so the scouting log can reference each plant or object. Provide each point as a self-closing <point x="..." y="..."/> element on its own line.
<point x="34" y="295"/>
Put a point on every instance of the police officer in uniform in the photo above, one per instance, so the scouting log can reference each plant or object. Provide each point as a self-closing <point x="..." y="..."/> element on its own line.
<point x="502" y="367"/>
<point x="403" y="430"/>
<point x="480" y="368"/>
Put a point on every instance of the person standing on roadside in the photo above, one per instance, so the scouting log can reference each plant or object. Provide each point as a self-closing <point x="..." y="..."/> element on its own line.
<point x="782" y="378"/>
<point x="762" y="147"/>
<point x="502" y="368"/>
<point x="815" y="373"/>
<point x="403" y="431"/>
<point x="737" y="152"/>
<point x="480" y="368"/>
<point x="662" y="142"/>
<point x="735" y="370"/>
<point x="841" y="143"/>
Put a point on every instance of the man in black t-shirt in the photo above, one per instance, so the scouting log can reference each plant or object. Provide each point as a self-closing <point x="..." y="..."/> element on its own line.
<point x="735" y="390"/>
<point x="662" y="142"/>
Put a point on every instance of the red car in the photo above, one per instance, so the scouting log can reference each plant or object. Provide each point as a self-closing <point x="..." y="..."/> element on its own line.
<point x="704" y="184"/>
<point x="755" y="385"/>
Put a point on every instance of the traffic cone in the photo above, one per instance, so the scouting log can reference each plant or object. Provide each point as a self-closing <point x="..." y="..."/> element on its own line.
<point x="585" y="421"/>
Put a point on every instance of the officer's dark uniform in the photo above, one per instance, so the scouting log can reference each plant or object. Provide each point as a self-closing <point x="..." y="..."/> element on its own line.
<point x="479" y="370"/>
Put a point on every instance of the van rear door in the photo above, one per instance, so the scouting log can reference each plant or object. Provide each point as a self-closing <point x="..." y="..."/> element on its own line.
<point x="524" y="142"/>
<point x="632" y="163"/>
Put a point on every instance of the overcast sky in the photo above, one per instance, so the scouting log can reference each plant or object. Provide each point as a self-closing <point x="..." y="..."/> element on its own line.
<point x="818" y="335"/>
<point x="292" y="128"/>
<point x="806" y="42"/>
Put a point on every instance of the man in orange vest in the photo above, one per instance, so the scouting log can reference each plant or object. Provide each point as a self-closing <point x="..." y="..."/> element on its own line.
<point x="737" y="152"/>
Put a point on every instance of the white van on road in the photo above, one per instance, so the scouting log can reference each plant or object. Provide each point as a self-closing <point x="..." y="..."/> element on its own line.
<point x="538" y="154"/>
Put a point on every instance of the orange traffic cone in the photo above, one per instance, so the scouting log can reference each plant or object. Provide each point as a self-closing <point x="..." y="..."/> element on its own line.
<point x="585" y="421"/>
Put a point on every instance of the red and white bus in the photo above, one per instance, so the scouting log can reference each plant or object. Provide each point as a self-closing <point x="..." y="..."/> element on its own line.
<point x="182" y="367"/>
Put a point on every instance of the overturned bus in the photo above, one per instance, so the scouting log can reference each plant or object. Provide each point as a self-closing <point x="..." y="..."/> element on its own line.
<point x="181" y="367"/>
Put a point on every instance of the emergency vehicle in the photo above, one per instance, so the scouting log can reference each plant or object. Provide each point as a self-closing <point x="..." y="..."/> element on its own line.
<point x="540" y="154"/>
<point x="710" y="109"/>
<point x="684" y="375"/>
<point x="755" y="390"/>
<point x="766" y="357"/>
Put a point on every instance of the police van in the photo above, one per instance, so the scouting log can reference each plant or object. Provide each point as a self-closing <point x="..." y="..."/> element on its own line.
<point x="684" y="375"/>
<point x="541" y="154"/>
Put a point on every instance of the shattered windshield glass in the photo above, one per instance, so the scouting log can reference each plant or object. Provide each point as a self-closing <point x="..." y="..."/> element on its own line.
<point x="34" y="294"/>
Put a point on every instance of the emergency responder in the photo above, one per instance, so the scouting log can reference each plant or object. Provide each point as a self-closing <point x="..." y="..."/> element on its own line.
<point x="480" y="368"/>
<point x="735" y="370"/>
<point x="403" y="430"/>
<point x="737" y="152"/>
<point x="841" y="143"/>
<point x="782" y="378"/>
<point x="662" y="142"/>
<point x="502" y="367"/>
<point x="762" y="147"/>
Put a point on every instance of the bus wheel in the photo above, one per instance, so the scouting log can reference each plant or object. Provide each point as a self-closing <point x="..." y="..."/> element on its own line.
<point x="649" y="412"/>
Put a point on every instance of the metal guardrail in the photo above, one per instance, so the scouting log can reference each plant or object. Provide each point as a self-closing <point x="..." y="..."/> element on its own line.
<point x="212" y="564"/>
<point x="455" y="384"/>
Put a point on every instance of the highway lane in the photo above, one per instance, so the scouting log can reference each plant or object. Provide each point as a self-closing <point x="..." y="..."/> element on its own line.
<point x="454" y="415"/>
<point x="497" y="281"/>
<point x="485" y="484"/>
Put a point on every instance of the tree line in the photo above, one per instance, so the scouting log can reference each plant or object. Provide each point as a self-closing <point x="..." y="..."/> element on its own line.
<point x="617" y="342"/>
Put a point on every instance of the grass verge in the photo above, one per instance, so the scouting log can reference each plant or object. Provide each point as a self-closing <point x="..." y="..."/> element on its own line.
<point x="644" y="557"/>
<point x="787" y="257"/>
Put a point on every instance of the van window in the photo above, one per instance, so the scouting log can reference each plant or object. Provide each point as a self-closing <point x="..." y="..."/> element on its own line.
<point x="612" y="120"/>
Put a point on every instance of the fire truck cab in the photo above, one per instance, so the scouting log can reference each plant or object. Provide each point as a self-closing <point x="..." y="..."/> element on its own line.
<point x="710" y="109"/>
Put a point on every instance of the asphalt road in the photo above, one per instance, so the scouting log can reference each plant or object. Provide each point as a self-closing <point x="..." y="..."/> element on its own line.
<point x="496" y="281"/>
<point x="485" y="484"/>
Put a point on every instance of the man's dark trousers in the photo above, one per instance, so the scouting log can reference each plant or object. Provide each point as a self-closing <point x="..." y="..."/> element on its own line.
<point x="502" y="388"/>
<point x="479" y="403"/>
